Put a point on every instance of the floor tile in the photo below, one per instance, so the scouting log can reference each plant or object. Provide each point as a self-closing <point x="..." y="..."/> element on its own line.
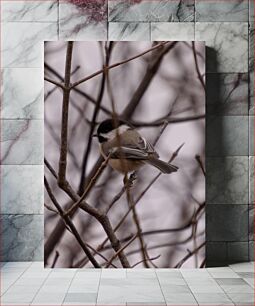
<point x="141" y="273"/>
<point x="81" y="298"/>
<point x="250" y="282"/>
<point x="242" y="299"/>
<point x="49" y="299"/>
<point x="230" y="281"/>
<point x="175" y="289"/>
<point x="213" y="299"/>
<point x="180" y="299"/>
<point x="113" y="273"/>
<point x="243" y="267"/>
<point x="84" y="285"/>
<point x="246" y="274"/>
<point x="205" y="289"/>
<point x="194" y="273"/>
<point x="222" y="272"/>
<point x="111" y="295"/>
<point x="237" y="288"/>
<point x="146" y="303"/>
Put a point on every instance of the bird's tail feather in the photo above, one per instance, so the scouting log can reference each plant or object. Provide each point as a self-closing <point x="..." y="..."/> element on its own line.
<point x="162" y="166"/>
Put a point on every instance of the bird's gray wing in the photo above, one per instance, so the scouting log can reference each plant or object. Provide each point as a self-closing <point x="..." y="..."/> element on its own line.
<point x="128" y="153"/>
<point x="133" y="146"/>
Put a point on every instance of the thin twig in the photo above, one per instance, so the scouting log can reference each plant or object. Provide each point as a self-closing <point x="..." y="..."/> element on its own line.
<point x="190" y="253"/>
<point x="88" y="188"/>
<point x="160" y="45"/>
<point x="120" y="250"/>
<point x="100" y="216"/>
<point x="54" y="82"/>
<point x="68" y="221"/>
<point x="198" y="159"/>
<point x="138" y="227"/>
<point x="77" y="90"/>
<point x="91" y="131"/>
<point x="174" y="155"/>
<point x="55" y="259"/>
<point x="148" y="259"/>
<point x="64" y="121"/>
<point x="50" y="209"/>
<point x="169" y="120"/>
<point x="197" y="68"/>
<point x="152" y="68"/>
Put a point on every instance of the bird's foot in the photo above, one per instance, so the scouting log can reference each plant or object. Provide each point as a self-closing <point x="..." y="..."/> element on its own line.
<point x="129" y="181"/>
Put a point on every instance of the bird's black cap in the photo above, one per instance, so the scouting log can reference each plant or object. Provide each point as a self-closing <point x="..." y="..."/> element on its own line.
<point x="107" y="126"/>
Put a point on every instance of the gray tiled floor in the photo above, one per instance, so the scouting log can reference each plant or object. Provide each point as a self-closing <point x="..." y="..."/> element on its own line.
<point x="29" y="283"/>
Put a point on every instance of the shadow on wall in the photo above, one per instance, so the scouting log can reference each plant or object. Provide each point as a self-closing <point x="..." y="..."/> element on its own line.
<point x="226" y="185"/>
<point x="213" y="93"/>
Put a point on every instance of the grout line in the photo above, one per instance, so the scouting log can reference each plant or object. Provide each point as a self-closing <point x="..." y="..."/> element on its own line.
<point x="69" y="286"/>
<point x="189" y="287"/>
<point x="99" y="283"/>
<point x="160" y="288"/>
<point x="15" y="280"/>
<point x="40" y="288"/>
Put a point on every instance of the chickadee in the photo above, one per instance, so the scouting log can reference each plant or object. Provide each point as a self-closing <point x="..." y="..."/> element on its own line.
<point x="129" y="150"/>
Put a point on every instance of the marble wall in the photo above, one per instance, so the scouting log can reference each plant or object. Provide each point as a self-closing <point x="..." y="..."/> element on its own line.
<point x="226" y="26"/>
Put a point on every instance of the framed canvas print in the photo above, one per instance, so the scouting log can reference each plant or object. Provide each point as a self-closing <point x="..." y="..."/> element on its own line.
<point x="124" y="154"/>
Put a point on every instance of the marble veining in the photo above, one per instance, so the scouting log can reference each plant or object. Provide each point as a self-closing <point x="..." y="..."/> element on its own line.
<point x="22" y="93"/>
<point x="251" y="69"/>
<point x="227" y="93"/>
<point x="22" y="237"/>
<point x="234" y="10"/>
<point x="227" y="180"/>
<point x="151" y="10"/>
<point x="251" y="11"/>
<point x="129" y="31"/>
<point x="21" y="142"/>
<point x="228" y="45"/>
<point x="251" y="135"/>
<point x="29" y="11"/>
<point x="25" y="48"/>
<point x="22" y="189"/>
<point x="82" y="20"/>
<point x="172" y="31"/>
<point x="251" y="173"/>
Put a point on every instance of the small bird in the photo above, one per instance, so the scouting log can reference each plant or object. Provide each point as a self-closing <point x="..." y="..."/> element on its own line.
<point x="127" y="148"/>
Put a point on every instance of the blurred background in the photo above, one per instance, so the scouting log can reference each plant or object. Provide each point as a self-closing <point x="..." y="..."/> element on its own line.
<point x="171" y="212"/>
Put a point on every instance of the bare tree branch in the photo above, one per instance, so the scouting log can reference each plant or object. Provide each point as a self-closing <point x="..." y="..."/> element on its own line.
<point x="64" y="123"/>
<point x="68" y="221"/>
